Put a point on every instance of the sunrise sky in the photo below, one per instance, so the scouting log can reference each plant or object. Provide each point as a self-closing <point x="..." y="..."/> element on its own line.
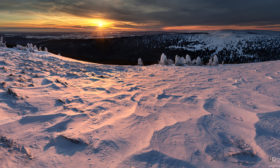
<point x="138" y="15"/>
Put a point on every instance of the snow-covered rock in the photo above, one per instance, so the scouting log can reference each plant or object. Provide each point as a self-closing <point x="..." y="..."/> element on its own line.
<point x="215" y="61"/>
<point x="188" y="60"/>
<point x="29" y="47"/>
<point x="163" y="60"/>
<point x="2" y="43"/>
<point x="170" y="62"/>
<point x="210" y="62"/>
<point x="140" y="62"/>
<point x="20" y="47"/>
<point x="179" y="61"/>
<point x="198" y="61"/>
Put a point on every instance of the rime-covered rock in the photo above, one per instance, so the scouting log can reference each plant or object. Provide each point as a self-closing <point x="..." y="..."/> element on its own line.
<point x="188" y="60"/>
<point x="210" y="61"/>
<point x="140" y="62"/>
<point x="163" y="60"/>
<point x="215" y="61"/>
<point x="2" y="43"/>
<point x="170" y="62"/>
<point x="179" y="61"/>
<point x="198" y="61"/>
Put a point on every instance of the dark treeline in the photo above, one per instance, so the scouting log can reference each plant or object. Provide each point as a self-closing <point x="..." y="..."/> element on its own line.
<point x="126" y="50"/>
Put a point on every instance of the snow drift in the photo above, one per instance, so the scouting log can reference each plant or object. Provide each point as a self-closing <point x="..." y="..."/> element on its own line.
<point x="57" y="112"/>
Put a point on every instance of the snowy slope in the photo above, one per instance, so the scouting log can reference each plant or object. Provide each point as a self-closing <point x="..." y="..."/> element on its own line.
<point x="57" y="112"/>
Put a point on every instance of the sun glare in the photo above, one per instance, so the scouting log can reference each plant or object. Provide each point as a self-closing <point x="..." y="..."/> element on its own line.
<point x="100" y="23"/>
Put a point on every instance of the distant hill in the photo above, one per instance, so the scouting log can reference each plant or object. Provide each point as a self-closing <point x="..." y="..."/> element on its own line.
<point x="230" y="46"/>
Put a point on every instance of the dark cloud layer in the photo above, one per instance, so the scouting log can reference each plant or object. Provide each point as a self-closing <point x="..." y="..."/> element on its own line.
<point x="165" y="12"/>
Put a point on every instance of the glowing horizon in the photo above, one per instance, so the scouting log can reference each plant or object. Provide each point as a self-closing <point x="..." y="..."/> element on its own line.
<point x="135" y="15"/>
<point x="67" y="22"/>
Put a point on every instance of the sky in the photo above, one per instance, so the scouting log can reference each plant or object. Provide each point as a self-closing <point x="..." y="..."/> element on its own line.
<point x="138" y="15"/>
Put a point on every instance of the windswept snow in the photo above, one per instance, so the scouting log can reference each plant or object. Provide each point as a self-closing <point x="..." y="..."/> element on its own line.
<point x="57" y="112"/>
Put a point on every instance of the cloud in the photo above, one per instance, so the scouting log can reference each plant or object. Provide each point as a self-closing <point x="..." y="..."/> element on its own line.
<point x="162" y="12"/>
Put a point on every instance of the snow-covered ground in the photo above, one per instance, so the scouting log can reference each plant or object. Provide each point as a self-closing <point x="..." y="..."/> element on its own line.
<point x="57" y="112"/>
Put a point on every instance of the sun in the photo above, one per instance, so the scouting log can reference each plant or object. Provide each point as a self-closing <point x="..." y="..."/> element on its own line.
<point x="101" y="23"/>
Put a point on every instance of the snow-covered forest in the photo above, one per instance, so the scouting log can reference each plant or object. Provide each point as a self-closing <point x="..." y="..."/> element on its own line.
<point x="230" y="47"/>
